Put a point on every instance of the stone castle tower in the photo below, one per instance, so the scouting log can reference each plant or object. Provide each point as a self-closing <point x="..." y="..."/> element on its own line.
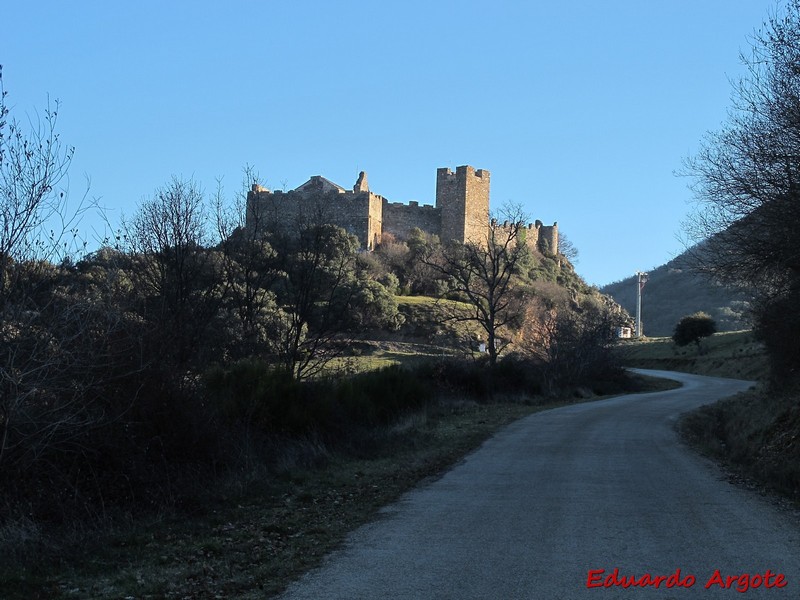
<point x="463" y="198"/>
<point x="461" y="212"/>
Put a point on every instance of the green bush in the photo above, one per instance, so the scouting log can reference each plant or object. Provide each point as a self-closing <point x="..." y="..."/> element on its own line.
<point x="693" y="328"/>
<point x="255" y="394"/>
<point x="149" y="449"/>
<point x="252" y="393"/>
<point x="381" y="396"/>
<point x="478" y="380"/>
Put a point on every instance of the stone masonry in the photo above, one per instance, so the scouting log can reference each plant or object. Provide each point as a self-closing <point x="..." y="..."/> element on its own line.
<point x="461" y="212"/>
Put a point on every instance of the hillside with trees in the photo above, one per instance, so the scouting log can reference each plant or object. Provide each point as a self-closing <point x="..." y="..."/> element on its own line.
<point x="677" y="289"/>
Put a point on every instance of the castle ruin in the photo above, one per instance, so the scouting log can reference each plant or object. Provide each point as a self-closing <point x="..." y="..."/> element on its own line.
<point x="461" y="212"/>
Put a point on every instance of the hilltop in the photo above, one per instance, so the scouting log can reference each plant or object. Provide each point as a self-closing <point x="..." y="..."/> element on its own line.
<point x="675" y="290"/>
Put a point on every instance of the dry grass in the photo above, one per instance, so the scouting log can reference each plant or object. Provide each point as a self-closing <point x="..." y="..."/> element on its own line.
<point x="252" y="545"/>
<point x="735" y="354"/>
<point x="755" y="436"/>
<point x="370" y="355"/>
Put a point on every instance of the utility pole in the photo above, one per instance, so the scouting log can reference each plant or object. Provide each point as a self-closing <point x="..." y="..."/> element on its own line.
<point x="641" y="279"/>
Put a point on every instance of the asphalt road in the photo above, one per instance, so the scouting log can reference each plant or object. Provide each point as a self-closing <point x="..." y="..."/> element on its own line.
<point x="556" y="497"/>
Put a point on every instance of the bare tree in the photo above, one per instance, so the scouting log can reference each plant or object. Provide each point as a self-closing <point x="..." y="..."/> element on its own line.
<point x="482" y="274"/>
<point x="567" y="249"/>
<point x="32" y="164"/>
<point x="59" y="351"/>
<point x="747" y="183"/>
<point x="747" y="174"/>
<point x="177" y="277"/>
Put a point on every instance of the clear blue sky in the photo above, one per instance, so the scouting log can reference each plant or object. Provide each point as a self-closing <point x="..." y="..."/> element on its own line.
<point x="581" y="110"/>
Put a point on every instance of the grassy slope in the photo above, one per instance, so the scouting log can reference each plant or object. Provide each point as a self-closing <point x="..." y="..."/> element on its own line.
<point x="428" y="333"/>
<point x="733" y="354"/>
<point x="755" y="436"/>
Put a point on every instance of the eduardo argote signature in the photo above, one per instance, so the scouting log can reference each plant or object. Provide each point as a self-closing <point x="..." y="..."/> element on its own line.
<point x="599" y="578"/>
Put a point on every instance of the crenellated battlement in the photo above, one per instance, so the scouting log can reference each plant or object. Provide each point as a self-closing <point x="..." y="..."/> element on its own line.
<point x="412" y="204"/>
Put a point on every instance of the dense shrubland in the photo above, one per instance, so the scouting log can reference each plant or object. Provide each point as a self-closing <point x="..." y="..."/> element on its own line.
<point x="107" y="360"/>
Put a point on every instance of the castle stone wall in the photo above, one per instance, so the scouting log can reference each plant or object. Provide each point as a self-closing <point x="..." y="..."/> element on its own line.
<point x="461" y="212"/>
<point x="358" y="214"/>
<point x="543" y="238"/>
<point x="531" y="236"/>
<point x="399" y="219"/>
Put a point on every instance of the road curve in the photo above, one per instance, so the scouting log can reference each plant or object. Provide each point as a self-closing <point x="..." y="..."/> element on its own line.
<point x="599" y="485"/>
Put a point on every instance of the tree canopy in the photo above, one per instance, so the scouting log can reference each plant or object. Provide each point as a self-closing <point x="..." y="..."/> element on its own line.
<point x="693" y="328"/>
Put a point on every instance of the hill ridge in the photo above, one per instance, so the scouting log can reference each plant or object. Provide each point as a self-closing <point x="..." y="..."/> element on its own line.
<point x="675" y="290"/>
